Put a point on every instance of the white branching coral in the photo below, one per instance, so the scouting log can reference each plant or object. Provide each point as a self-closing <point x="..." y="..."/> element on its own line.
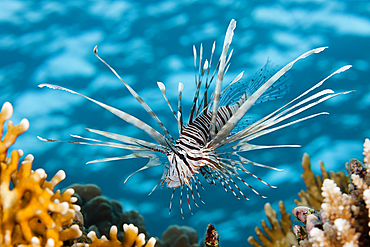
<point x="367" y="152"/>
<point x="335" y="204"/>
<point x="337" y="214"/>
<point x="367" y="202"/>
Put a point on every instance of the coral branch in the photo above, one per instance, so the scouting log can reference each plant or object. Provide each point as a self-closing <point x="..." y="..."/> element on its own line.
<point x="132" y="238"/>
<point x="279" y="234"/>
<point x="30" y="212"/>
<point x="312" y="197"/>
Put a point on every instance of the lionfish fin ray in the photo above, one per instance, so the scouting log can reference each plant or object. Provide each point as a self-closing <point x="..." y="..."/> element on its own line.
<point x="152" y="162"/>
<point x="179" y="111"/>
<point x="162" y="87"/>
<point x="136" y="96"/>
<point x="254" y="134"/>
<point x="237" y="78"/>
<point x="248" y="147"/>
<point x="129" y="156"/>
<point x="239" y="114"/>
<point x="220" y="76"/>
<point x="123" y="115"/>
<point x="102" y="144"/>
<point x="129" y="140"/>
<point x="161" y="181"/>
<point x="275" y="117"/>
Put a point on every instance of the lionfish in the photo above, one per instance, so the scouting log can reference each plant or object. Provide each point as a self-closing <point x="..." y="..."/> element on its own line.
<point x="210" y="144"/>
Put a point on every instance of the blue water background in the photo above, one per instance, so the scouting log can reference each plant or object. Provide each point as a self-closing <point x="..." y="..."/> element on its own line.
<point x="149" y="41"/>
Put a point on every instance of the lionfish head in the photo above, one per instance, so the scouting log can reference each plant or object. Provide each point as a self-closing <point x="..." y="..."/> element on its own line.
<point x="179" y="171"/>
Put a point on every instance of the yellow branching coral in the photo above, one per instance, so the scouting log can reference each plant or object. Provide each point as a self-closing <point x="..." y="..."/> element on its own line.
<point x="280" y="234"/>
<point x="312" y="197"/>
<point x="30" y="212"/>
<point x="132" y="238"/>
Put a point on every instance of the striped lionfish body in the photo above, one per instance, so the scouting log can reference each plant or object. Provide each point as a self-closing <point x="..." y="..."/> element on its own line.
<point x="211" y="142"/>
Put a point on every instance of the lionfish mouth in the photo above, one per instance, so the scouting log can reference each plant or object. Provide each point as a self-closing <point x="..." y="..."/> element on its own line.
<point x="211" y="142"/>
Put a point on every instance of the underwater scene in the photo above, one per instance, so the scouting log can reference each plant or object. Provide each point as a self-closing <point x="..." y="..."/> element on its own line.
<point x="146" y="42"/>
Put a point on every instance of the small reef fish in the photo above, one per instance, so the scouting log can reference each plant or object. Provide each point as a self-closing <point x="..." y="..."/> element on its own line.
<point x="211" y="143"/>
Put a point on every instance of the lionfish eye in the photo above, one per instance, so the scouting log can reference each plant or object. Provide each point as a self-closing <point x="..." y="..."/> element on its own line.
<point x="181" y="156"/>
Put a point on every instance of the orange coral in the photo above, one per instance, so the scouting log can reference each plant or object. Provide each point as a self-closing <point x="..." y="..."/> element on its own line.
<point x="30" y="213"/>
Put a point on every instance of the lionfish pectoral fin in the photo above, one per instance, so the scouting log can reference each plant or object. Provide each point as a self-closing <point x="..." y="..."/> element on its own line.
<point x="129" y="140"/>
<point x="239" y="114"/>
<point x="236" y="79"/>
<point x="152" y="162"/>
<point x="123" y="115"/>
<point x="249" y="162"/>
<point x="187" y="182"/>
<point x="266" y="131"/>
<point x="107" y="159"/>
<point x="285" y="115"/>
<point x="161" y="181"/>
<point x="102" y="143"/>
<point x="135" y="154"/>
<point x="248" y="147"/>
<point x="136" y="96"/>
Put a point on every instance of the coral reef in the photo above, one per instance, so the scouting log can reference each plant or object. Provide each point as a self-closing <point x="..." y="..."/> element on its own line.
<point x="132" y="238"/>
<point x="30" y="212"/>
<point x="100" y="213"/>
<point x="312" y="196"/>
<point x="279" y="234"/>
<point x="334" y="211"/>
<point x="176" y="236"/>
<point x="344" y="216"/>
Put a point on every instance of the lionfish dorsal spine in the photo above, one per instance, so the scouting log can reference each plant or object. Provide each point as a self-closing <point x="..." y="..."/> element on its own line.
<point x="162" y="87"/>
<point x="198" y="80"/>
<point x="220" y="76"/>
<point x="209" y="79"/>
<point x="200" y="64"/>
<point x="179" y="107"/>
